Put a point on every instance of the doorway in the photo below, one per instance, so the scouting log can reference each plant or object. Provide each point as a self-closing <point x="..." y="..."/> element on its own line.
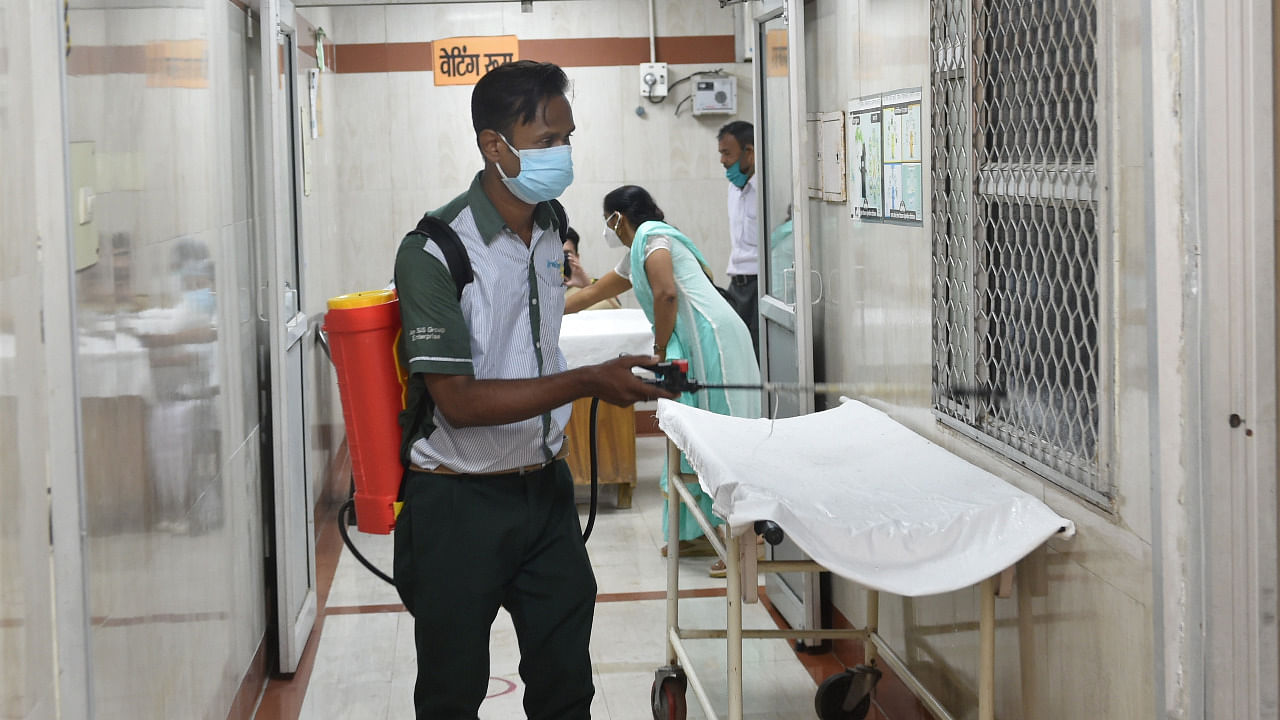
<point x="282" y="326"/>
<point x="786" y="322"/>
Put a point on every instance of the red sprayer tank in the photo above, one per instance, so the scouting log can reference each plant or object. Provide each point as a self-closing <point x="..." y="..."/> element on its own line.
<point x="363" y="329"/>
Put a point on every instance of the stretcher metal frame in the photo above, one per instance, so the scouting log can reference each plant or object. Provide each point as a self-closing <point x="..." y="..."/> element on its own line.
<point x="741" y="562"/>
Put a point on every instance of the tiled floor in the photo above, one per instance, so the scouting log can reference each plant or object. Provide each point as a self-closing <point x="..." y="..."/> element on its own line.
<point x="364" y="663"/>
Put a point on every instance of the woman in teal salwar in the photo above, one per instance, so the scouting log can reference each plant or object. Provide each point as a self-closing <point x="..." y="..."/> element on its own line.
<point x="690" y="318"/>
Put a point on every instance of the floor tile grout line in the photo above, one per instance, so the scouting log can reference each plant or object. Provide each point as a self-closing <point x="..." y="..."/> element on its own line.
<point x="639" y="596"/>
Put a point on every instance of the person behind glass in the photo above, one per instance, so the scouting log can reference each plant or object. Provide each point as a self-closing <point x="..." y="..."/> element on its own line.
<point x="738" y="156"/>
<point x="690" y="319"/>
<point x="575" y="276"/>
<point x="489" y="518"/>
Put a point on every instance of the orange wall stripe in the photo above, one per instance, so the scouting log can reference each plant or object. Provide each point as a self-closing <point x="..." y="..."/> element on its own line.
<point x="418" y="56"/>
<point x="132" y="59"/>
<point x="383" y="57"/>
<point x="566" y="52"/>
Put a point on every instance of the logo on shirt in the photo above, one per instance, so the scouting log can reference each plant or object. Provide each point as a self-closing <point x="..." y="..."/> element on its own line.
<point x="427" y="332"/>
<point x="555" y="265"/>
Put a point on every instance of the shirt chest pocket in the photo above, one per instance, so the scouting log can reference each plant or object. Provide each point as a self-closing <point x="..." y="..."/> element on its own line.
<point x="550" y="276"/>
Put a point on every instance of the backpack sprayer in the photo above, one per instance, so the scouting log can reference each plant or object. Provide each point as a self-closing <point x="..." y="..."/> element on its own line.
<point x="360" y="335"/>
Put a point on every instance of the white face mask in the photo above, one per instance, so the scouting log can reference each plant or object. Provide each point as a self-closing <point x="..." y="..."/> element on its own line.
<point x="610" y="235"/>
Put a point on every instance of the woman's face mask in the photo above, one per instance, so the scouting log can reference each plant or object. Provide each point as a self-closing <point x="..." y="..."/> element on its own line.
<point x="544" y="174"/>
<point x="610" y="233"/>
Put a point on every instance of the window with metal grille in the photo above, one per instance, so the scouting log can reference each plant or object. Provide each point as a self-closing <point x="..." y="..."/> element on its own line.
<point x="1015" y="232"/>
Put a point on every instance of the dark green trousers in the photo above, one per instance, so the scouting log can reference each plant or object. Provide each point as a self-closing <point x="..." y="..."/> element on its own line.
<point x="466" y="545"/>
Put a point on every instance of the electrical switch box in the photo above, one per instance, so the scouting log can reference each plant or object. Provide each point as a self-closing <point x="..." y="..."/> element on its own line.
<point x="84" y="178"/>
<point x="653" y="80"/>
<point x="715" y="95"/>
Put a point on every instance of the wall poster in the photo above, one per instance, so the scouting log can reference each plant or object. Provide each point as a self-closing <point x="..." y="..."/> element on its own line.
<point x="866" y="182"/>
<point x="903" y="192"/>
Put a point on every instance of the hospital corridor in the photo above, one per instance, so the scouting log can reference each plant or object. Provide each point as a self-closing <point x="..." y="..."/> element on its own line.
<point x="639" y="359"/>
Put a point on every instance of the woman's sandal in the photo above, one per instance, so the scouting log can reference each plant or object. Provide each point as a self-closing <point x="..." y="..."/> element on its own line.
<point x="697" y="547"/>
<point x="718" y="568"/>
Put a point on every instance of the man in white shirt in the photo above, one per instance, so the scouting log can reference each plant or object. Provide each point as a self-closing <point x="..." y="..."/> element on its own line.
<point x="738" y="156"/>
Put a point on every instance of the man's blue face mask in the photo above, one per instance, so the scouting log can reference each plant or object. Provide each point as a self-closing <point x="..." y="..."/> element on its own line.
<point x="544" y="174"/>
<point x="735" y="174"/>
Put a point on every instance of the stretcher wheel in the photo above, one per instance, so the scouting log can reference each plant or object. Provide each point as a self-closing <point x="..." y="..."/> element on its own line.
<point x="667" y="694"/>
<point x="668" y="703"/>
<point x="846" y="695"/>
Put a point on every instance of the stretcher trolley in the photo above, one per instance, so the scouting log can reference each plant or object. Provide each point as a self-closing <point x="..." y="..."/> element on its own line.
<point x="868" y="500"/>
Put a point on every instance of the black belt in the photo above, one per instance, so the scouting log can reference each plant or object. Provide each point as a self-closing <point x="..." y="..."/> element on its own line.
<point x="527" y="469"/>
<point x="741" y="279"/>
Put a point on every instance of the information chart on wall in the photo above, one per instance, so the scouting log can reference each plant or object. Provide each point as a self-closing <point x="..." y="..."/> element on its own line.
<point x="884" y="167"/>
<point x="866" y="179"/>
<point x="903" y="199"/>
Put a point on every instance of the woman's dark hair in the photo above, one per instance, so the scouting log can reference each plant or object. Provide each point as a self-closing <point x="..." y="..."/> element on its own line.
<point x="512" y="93"/>
<point x="634" y="202"/>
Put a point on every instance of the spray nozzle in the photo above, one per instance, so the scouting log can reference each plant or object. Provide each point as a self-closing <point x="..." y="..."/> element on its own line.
<point x="672" y="376"/>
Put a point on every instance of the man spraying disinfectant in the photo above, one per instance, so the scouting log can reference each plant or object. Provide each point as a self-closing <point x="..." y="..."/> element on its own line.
<point x="489" y="518"/>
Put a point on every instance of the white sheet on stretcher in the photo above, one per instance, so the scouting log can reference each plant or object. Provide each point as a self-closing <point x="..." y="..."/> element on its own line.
<point x="863" y="495"/>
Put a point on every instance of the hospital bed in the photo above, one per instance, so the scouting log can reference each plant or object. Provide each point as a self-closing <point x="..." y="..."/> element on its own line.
<point x="867" y="499"/>
<point x="587" y="338"/>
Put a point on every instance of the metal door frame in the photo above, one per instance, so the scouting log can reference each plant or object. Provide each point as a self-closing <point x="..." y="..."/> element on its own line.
<point x="69" y="566"/>
<point x="280" y="230"/>
<point x="802" y="609"/>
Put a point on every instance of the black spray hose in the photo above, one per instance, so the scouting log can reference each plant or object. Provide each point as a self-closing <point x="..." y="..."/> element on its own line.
<point x="595" y="472"/>
<point x="348" y="507"/>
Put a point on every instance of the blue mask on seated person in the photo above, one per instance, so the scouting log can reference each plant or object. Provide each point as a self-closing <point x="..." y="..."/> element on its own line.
<point x="544" y="174"/>
<point x="735" y="174"/>
<point x="201" y="301"/>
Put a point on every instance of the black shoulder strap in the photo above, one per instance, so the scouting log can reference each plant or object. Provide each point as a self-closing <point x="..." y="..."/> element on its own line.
<point x="455" y="253"/>
<point x="459" y="264"/>
<point x="410" y="434"/>
<point x="562" y="218"/>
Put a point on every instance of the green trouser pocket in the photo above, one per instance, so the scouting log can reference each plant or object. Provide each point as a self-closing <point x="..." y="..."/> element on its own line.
<point x="402" y="568"/>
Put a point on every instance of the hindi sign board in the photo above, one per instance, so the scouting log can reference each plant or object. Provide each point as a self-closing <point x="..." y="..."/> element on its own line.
<point x="178" y="64"/>
<point x="464" y="60"/>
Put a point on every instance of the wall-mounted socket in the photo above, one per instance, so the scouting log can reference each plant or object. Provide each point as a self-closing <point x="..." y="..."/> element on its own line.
<point x="653" y="80"/>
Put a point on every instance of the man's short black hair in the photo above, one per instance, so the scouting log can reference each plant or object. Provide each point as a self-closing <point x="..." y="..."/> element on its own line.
<point x="742" y="131"/>
<point x="512" y="93"/>
<point x="571" y="235"/>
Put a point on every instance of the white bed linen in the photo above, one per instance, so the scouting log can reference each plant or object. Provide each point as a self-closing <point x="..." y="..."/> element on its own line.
<point x="113" y="365"/>
<point x="594" y="336"/>
<point x="863" y="495"/>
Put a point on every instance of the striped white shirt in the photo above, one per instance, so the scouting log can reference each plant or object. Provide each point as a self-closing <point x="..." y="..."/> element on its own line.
<point x="512" y="312"/>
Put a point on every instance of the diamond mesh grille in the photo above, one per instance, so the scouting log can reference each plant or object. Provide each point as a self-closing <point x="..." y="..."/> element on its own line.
<point x="1015" y="252"/>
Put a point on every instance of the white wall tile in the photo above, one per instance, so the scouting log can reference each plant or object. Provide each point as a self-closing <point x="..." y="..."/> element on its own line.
<point x="358" y="24"/>
<point x="424" y="23"/>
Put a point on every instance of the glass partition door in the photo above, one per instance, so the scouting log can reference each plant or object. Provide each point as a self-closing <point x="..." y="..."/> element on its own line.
<point x="786" y="346"/>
